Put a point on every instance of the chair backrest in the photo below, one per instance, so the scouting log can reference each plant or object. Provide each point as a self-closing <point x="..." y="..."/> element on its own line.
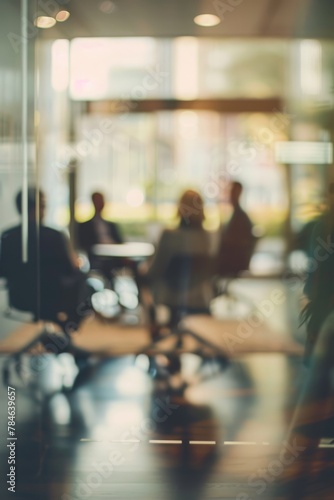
<point x="22" y="289"/>
<point x="185" y="272"/>
<point x="48" y="284"/>
<point x="25" y="295"/>
<point x="44" y="298"/>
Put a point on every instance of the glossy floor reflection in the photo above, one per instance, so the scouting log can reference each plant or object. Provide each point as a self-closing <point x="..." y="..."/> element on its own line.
<point x="125" y="431"/>
<point x="123" y="434"/>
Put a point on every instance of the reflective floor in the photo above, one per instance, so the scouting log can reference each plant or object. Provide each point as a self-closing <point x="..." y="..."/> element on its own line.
<point x="135" y="427"/>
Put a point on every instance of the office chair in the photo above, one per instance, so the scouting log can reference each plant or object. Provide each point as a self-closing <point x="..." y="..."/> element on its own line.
<point x="185" y="275"/>
<point x="23" y="296"/>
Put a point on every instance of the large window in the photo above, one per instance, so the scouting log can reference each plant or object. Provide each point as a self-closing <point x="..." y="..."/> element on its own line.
<point x="146" y="161"/>
<point x="143" y="160"/>
<point x="184" y="68"/>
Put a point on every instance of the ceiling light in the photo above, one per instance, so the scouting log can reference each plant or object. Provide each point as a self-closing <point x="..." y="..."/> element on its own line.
<point x="62" y="16"/>
<point x="44" y="22"/>
<point x="207" y="20"/>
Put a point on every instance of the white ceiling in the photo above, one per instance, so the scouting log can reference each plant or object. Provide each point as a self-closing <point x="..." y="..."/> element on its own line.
<point x="171" y="18"/>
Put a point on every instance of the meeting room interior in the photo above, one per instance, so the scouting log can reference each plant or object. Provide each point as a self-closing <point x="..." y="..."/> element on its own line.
<point x="166" y="243"/>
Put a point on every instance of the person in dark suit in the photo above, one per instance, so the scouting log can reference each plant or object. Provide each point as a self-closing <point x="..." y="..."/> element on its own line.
<point x="97" y="231"/>
<point x="50" y="282"/>
<point x="237" y="239"/>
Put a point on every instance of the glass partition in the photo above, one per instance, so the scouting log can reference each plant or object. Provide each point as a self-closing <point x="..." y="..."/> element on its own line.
<point x="17" y="144"/>
<point x="146" y="161"/>
<point x="182" y="68"/>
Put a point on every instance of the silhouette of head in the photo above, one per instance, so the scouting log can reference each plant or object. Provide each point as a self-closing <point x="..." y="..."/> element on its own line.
<point x="235" y="193"/>
<point x="191" y="209"/>
<point x="34" y="197"/>
<point x="98" y="202"/>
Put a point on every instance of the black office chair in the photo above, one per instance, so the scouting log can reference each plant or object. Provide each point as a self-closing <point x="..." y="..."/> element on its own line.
<point x="184" y="274"/>
<point x="59" y="308"/>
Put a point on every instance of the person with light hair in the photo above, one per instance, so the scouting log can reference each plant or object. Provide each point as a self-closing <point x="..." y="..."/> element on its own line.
<point x="179" y="273"/>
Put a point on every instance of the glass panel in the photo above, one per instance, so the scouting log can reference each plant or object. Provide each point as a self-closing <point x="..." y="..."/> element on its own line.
<point x="233" y="68"/>
<point x="112" y="67"/>
<point x="143" y="161"/>
<point x="183" y="68"/>
<point x="17" y="151"/>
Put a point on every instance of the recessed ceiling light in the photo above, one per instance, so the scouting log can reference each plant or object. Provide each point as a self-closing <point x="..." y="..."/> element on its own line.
<point x="207" y="20"/>
<point x="62" y="16"/>
<point x="44" y="22"/>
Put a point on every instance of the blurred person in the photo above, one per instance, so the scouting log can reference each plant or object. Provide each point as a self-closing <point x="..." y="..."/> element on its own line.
<point x="319" y="286"/>
<point x="313" y="419"/>
<point x="95" y="231"/>
<point x="176" y="280"/>
<point x="303" y="238"/>
<point x="50" y="284"/>
<point x="237" y="239"/>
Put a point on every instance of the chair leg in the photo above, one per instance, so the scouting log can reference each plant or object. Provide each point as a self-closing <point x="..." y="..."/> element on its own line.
<point x="46" y="337"/>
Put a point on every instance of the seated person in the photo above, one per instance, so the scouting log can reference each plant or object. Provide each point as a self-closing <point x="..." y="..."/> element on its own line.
<point x="174" y="277"/>
<point x="50" y="282"/>
<point x="237" y="240"/>
<point x="98" y="231"/>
